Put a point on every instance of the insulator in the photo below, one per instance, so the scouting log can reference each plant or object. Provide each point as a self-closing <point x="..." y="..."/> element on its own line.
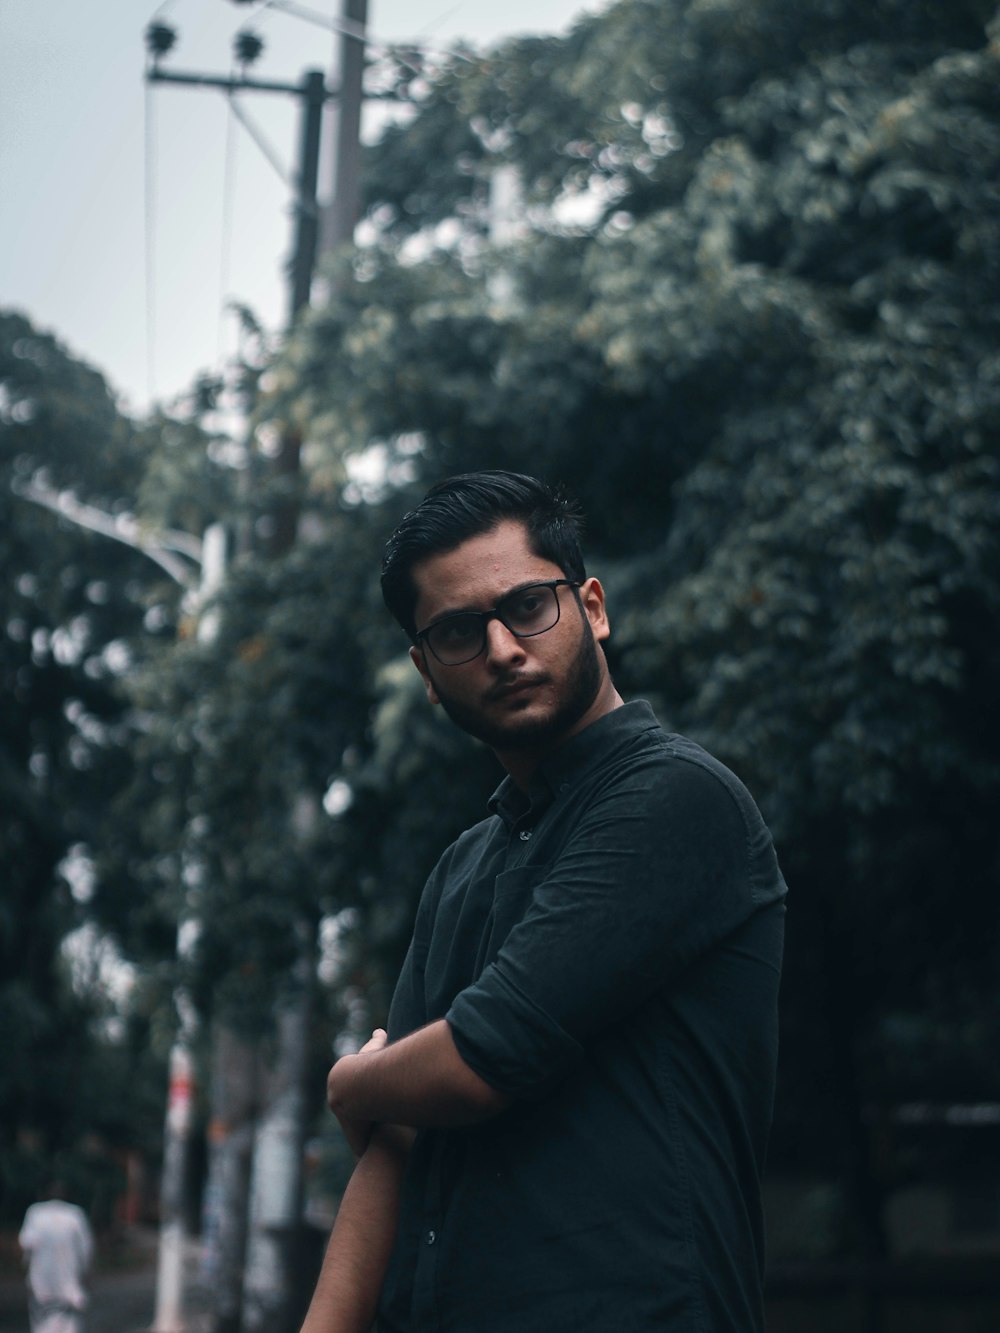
<point x="247" y="46"/>
<point x="160" y="38"/>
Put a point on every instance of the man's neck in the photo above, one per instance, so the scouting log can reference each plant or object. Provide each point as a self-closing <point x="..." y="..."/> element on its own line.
<point x="522" y="764"/>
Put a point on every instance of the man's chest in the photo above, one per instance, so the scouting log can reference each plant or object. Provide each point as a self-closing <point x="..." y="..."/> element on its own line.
<point x="489" y="891"/>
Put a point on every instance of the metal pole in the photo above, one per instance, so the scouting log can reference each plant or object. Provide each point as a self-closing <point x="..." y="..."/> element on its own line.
<point x="169" y="1317"/>
<point x="345" y="207"/>
<point x="313" y="95"/>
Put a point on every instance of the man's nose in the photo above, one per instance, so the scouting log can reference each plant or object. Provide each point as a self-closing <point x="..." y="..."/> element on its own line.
<point x="501" y="644"/>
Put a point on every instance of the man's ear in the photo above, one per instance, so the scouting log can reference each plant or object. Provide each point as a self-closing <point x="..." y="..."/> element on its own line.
<point x="418" y="660"/>
<point x="592" y="600"/>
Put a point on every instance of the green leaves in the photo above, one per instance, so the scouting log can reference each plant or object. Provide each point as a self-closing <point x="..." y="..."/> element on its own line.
<point x="748" y="314"/>
<point x="766" y="363"/>
<point x="71" y="603"/>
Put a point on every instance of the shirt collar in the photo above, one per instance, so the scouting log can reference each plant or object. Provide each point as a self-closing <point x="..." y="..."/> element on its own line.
<point x="573" y="760"/>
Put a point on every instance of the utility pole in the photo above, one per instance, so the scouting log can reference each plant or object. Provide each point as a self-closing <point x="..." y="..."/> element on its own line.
<point x="345" y="206"/>
<point x="301" y="269"/>
<point x="312" y="94"/>
<point x="274" y="1181"/>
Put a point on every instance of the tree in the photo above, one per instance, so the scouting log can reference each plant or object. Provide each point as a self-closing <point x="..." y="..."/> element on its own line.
<point x="767" y="365"/>
<point x="71" y="602"/>
<point x="763" y="355"/>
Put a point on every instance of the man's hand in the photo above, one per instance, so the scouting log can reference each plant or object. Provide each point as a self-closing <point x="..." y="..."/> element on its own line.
<point x="357" y="1132"/>
<point x="420" y="1081"/>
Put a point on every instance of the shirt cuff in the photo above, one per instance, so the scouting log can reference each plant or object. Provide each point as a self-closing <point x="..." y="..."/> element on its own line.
<point x="507" y="1040"/>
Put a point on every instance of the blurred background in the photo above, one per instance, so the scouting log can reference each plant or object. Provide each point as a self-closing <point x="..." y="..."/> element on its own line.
<point x="729" y="269"/>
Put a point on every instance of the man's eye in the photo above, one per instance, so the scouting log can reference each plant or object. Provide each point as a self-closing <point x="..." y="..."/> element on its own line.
<point x="527" y="604"/>
<point x="459" y="630"/>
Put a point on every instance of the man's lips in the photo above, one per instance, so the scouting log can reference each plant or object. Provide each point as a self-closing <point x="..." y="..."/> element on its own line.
<point x="510" y="688"/>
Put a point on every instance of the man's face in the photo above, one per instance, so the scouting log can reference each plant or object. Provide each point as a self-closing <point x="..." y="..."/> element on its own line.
<point x="518" y="694"/>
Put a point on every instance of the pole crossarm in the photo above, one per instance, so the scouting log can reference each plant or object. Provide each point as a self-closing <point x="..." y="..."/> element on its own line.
<point x="231" y="85"/>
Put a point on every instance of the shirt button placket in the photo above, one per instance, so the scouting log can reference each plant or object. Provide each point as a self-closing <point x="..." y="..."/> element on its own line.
<point x="425" y="1282"/>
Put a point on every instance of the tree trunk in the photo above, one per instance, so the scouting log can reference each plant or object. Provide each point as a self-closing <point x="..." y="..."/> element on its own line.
<point x="227" y="1194"/>
<point x="271" y="1296"/>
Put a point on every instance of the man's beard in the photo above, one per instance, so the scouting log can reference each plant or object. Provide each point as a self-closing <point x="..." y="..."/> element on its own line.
<point x="579" y="691"/>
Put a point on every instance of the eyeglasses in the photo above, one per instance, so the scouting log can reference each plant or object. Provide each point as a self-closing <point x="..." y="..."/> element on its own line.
<point x="525" y="612"/>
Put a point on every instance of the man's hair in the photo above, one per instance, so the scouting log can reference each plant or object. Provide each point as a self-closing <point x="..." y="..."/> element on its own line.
<point x="467" y="506"/>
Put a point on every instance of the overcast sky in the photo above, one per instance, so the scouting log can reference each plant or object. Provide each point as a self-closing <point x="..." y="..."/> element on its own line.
<point x="118" y="230"/>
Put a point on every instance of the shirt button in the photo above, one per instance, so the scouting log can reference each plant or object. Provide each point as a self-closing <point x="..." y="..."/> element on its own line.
<point x="525" y="834"/>
<point x="431" y="1237"/>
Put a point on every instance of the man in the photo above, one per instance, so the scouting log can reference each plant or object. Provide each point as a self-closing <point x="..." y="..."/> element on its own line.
<point x="566" y="1126"/>
<point x="58" y="1247"/>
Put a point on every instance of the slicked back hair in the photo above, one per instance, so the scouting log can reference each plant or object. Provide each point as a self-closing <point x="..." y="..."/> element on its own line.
<point x="467" y="506"/>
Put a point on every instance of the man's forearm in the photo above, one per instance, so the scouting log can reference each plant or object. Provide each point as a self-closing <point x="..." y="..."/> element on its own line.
<point x="420" y="1081"/>
<point x="357" y="1256"/>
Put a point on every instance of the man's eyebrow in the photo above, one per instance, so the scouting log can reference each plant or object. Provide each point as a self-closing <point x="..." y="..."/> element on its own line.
<point x="475" y="611"/>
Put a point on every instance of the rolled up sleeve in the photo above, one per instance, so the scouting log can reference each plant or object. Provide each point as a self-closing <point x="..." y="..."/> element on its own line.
<point x="508" y="1040"/>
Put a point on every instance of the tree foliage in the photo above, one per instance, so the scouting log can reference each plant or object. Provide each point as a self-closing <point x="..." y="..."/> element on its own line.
<point x="750" y="318"/>
<point x="767" y="364"/>
<point x="70" y="604"/>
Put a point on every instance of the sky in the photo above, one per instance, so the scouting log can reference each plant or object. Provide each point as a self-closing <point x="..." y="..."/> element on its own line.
<point x="132" y="214"/>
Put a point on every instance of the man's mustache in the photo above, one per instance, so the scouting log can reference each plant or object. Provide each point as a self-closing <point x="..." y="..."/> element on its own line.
<point x="510" y="684"/>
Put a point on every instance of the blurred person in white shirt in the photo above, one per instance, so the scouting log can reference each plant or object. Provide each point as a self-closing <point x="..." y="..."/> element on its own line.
<point x="58" y="1248"/>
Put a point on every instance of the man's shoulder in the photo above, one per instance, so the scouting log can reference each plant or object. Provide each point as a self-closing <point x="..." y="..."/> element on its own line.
<point x="471" y="840"/>
<point x="55" y="1210"/>
<point x="664" y="775"/>
<point x="648" y="745"/>
<point x="466" y="849"/>
<point x="632" y="739"/>
<point x="50" y="1218"/>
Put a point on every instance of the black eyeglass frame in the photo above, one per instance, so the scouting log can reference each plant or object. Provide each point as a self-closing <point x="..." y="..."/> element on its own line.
<point x="485" y="617"/>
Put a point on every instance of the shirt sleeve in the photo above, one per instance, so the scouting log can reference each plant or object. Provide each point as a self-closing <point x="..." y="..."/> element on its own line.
<point x="657" y="873"/>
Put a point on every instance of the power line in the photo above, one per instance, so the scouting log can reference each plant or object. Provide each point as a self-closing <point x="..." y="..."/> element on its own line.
<point x="149" y="167"/>
<point x="360" y="32"/>
<point x="228" y="210"/>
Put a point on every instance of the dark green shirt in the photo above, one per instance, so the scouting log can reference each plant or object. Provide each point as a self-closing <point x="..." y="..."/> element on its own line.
<point x="607" y="951"/>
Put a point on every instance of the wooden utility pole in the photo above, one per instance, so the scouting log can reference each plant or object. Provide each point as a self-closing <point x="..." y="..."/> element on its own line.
<point x="312" y="93"/>
<point x="270" y="1232"/>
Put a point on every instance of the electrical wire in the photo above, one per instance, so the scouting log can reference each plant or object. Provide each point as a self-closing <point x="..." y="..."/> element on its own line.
<point x="362" y="33"/>
<point x="228" y="213"/>
<point x="149" y="168"/>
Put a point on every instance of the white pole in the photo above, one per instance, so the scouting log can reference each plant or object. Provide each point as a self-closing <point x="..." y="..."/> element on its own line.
<point x="173" y="1233"/>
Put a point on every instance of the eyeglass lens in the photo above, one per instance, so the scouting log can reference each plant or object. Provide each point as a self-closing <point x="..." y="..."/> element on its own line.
<point x="460" y="638"/>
